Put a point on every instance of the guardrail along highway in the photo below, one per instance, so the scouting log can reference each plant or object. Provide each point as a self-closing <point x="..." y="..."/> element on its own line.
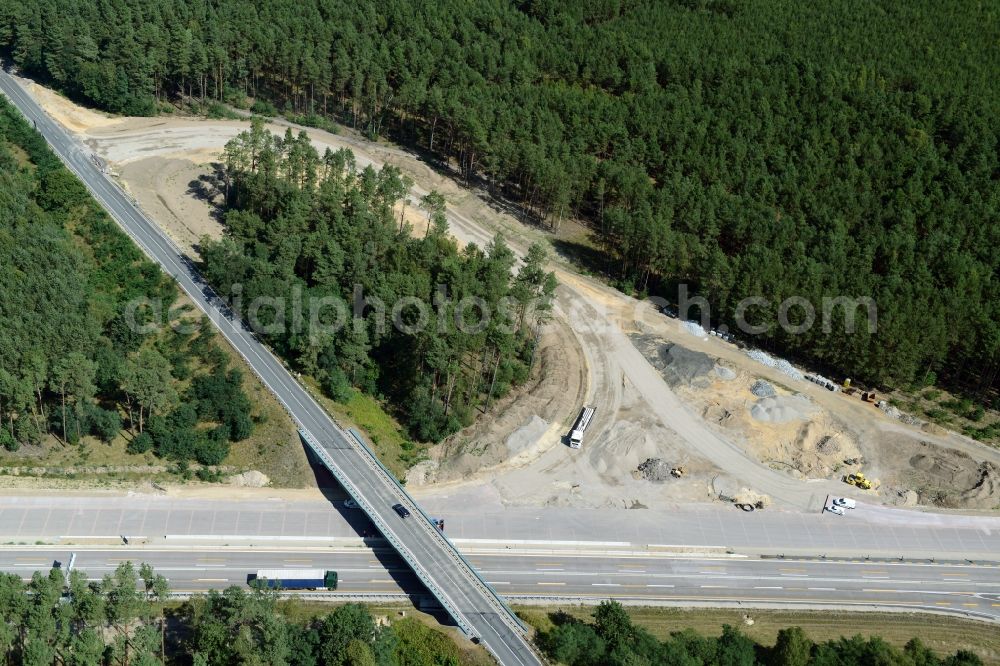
<point x="473" y="605"/>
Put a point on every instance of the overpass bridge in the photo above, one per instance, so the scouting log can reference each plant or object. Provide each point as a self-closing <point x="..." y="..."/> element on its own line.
<point x="474" y="606"/>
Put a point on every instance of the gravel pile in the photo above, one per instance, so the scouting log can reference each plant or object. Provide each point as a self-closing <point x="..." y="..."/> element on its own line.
<point x="655" y="469"/>
<point x="787" y="368"/>
<point x="695" y="329"/>
<point x="761" y="357"/>
<point x="763" y="389"/>
<point x="891" y="412"/>
<point x="780" y="364"/>
<point x="683" y="366"/>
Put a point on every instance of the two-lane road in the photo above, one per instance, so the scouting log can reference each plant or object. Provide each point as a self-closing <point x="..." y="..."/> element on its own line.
<point x="475" y="607"/>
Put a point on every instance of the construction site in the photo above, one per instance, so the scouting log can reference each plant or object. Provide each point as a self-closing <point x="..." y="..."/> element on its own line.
<point x="682" y="416"/>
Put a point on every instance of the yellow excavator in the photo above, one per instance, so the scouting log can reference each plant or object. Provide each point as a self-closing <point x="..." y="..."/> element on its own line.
<point x="858" y="479"/>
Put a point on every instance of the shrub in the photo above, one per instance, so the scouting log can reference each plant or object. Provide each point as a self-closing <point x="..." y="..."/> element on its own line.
<point x="210" y="451"/>
<point x="105" y="424"/>
<point x="337" y="386"/>
<point x="264" y="108"/>
<point x="7" y="440"/>
<point x="240" y="426"/>
<point x="140" y="443"/>
<point x="209" y="475"/>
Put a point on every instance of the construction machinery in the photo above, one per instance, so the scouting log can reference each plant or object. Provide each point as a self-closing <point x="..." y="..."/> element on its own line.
<point x="858" y="480"/>
<point x="677" y="472"/>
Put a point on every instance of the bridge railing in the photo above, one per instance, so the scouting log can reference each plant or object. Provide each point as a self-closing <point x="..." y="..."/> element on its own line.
<point x="497" y="599"/>
<point x="324" y="456"/>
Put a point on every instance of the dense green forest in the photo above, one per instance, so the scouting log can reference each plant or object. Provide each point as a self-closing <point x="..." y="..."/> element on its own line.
<point x="123" y="620"/>
<point x="613" y="640"/>
<point x="771" y="148"/>
<point x="74" y="358"/>
<point x="318" y="231"/>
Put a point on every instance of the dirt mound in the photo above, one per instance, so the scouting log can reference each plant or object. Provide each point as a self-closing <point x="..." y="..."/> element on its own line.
<point x="251" y="479"/>
<point x="952" y="479"/>
<point x="763" y="389"/>
<point x="986" y="492"/>
<point x="716" y="413"/>
<point x="828" y="445"/>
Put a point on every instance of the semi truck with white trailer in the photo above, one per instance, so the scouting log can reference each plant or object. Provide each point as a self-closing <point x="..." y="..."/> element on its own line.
<point x="580" y="427"/>
<point x="294" y="579"/>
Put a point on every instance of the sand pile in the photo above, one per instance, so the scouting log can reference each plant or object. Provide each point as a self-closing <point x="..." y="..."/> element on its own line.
<point x="724" y="373"/>
<point x="763" y="389"/>
<point x="782" y="409"/>
<point x="527" y="435"/>
<point x="627" y="445"/>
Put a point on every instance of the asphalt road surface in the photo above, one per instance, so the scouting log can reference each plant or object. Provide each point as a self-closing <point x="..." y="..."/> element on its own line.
<point x="475" y="607"/>
<point x="970" y="589"/>
<point x="865" y="531"/>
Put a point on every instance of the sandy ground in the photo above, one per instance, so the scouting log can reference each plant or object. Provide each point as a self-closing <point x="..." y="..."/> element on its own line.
<point x="587" y="357"/>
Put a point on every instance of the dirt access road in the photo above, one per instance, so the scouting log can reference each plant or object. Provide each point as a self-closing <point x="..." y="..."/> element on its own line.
<point x="167" y="162"/>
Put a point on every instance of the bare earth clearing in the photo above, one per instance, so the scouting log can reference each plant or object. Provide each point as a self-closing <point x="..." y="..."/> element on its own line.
<point x="689" y="405"/>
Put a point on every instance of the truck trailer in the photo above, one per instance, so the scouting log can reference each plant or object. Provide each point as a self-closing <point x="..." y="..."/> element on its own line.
<point x="294" y="579"/>
<point x="582" y="421"/>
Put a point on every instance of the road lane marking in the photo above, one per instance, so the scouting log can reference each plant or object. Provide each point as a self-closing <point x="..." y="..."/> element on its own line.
<point x="498" y="582"/>
<point x="942" y="603"/>
<point x="211" y="580"/>
<point x="605" y="584"/>
<point x="545" y="583"/>
<point x="769" y="587"/>
<point x="973" y="605"/>
<point x="657" y="585"/>
<point x="379" y="580"/>
<point x="822" y="589"/>
<point x="712" y="586"/>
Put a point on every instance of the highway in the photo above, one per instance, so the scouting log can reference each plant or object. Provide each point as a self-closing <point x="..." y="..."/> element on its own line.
<point x="969" y="589"/>
<point x="869" y="530"/>
<point x="472" y="604"/>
